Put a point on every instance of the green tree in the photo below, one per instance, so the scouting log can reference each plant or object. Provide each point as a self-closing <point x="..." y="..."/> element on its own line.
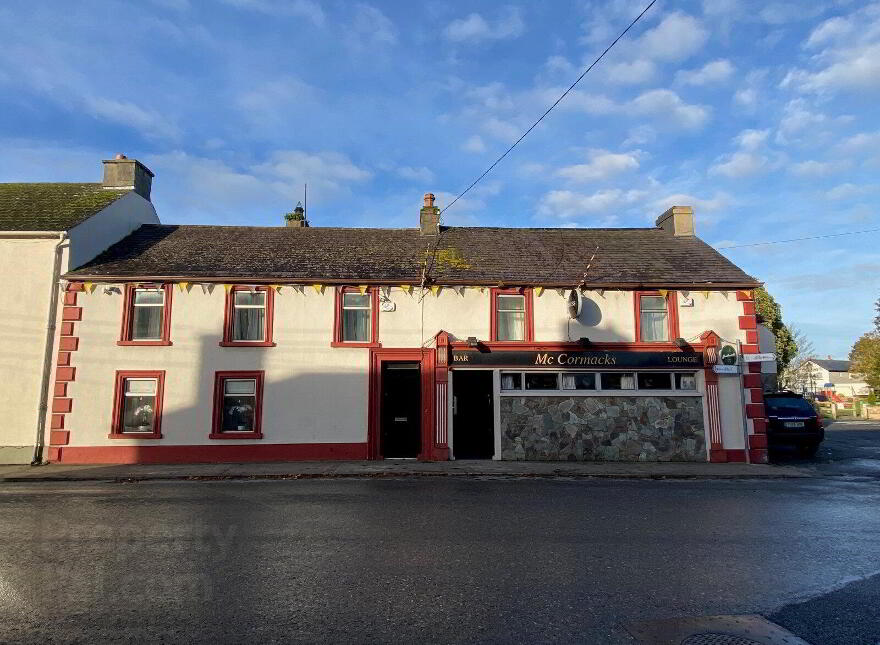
<point x="865" y="358"/>
<point x="771" y="313"/>
<point x="877" y="318"/>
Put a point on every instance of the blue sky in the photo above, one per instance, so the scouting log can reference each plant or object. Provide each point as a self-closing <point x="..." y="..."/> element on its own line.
<point x="761" y="115"/>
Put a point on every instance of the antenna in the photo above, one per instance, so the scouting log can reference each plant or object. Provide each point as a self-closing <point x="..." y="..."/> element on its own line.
<point x="306" y="201"/>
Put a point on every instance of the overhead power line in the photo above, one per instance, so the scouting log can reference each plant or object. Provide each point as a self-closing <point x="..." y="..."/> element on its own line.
<point x="549" y="109"/>
<point x="796" y="239"/>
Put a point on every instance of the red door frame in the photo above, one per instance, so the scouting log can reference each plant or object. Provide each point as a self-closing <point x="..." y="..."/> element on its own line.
<point x="425" y="358"/>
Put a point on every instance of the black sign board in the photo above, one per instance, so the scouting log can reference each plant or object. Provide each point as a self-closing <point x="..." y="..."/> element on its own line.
<point x="576" y="359"/>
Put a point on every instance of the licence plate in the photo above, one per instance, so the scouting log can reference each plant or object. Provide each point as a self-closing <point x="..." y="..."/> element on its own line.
<point x="794" y="424"/>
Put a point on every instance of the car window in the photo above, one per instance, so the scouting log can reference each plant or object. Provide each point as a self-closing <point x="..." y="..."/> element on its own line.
<point x="788" y="406"/>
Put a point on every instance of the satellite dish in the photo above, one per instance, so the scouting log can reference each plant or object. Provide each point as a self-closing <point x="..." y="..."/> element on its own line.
<point x="574" y="304"/>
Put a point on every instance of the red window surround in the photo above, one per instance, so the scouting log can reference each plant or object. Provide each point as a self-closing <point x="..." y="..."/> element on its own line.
<point x="529" y="317"/>
<point x="128" y="304"/>
<point x="374" y="318"/>
<point x="118" y="407"/>
<point x="228" y="319"/>
<point x="672" y="316"/>
<point x="216" y="426"/>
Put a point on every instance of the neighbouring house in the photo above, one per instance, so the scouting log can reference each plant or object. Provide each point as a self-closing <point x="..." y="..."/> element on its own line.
<point x="244" y="343"/>
<point x="47" y="229"/>
<point x="832" y="376"/>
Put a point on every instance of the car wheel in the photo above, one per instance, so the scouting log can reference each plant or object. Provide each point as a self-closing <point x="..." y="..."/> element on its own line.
<point x="809" y="449"/>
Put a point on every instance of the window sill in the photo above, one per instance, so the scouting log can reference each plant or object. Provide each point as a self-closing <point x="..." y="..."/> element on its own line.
<point x="337" y="343"/>
<point x="145" y="343"/>
<point x="511" y="343"/>
<point x="261" y="343"/>
<point x="135" y="435"/>
<point x="235" y="435"/>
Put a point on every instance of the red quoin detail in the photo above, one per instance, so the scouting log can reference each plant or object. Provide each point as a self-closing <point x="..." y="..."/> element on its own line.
<point x="749" y="308"/>
<point x="68" y="343"/>
<point x="747" y="322"/>
<point x="65" y="374"/>
<point x="744" y="295"/>
<point x="59" y="437"/>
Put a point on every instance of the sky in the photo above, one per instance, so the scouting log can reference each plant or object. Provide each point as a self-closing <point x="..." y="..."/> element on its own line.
<point x="761" y="115"/>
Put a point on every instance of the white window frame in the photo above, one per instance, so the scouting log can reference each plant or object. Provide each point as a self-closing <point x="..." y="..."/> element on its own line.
<point x="598" y="391"/>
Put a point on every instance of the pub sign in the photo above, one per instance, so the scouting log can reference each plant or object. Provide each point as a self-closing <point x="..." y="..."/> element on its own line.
<point x="576" y="359"/>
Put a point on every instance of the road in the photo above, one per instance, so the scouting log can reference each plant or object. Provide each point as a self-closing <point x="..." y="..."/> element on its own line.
<point x="851" y="449"/>
<point x="439" y="560"/>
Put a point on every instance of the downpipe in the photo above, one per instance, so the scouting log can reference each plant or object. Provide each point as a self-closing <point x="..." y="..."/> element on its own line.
<point x="48" y="352"/>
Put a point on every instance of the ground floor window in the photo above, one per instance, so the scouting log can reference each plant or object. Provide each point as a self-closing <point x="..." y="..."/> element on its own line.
<point x="238" y="402"/>
<point x="138" y="405"/>
<point x="598" y="381"/>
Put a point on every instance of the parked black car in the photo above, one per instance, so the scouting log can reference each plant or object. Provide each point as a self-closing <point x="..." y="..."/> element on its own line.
<point x="792" y="420"/>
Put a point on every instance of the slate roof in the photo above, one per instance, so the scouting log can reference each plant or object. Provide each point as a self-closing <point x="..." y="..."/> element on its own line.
<point x="465" y="255"/>
<point x="831" y="365"/>
<point x="51" y="207"/>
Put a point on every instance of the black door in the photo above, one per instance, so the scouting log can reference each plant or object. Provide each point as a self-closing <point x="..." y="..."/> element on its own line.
<point x="401" y="410"/>
<point x="473" y="415"/>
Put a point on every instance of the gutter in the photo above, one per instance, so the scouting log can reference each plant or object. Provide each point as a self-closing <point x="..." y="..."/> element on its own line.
<point x="31" y="235"/>
<point x="39" y="440"/>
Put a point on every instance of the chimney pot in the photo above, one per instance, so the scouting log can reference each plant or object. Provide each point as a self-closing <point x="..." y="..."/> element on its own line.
<point x="429" y="217"/>
<point x="122" y="173"/>
<point x="429" y="200"/>
<point x="678" y="220"/>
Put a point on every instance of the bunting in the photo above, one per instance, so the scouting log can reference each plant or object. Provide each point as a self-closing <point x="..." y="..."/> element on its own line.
<point x="277" y="287"/>
<point x="561" y="292"/>
<point x="705" y="294"/>
<point x="539" y="291"/>
<point x="407" y="288"/>
<point x="319" y="288"/>
<point x="460" y="291"/>
<point x="663" y="292"/>
<point x="182" y="286"/>
<point x="601" y="292"/>
<point x="362" y="288"/>
<point x="435" y="289"/>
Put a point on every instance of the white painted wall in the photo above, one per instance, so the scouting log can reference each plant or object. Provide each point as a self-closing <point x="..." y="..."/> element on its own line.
<point x="105" y="228"/>
<point x="719" y="312"/>
<point x="608" y="317"/>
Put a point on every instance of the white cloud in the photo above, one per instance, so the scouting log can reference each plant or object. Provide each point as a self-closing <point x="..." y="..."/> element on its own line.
<point x="813" y="168"/>
<point x="327" y="173"/>
<point x="150" y="122"/>
<point x="640" y="135"/>
<point x="474" y="28"/>
<point x="631" y="73"/>
<point x="715" y="71"/>
<point x="861" y="142"/>
<point x="830" y="30"/>
<point x="706" y="209"/>
<point x="372" y="26"/>
<point x="669" y="105"/>
<point x="270" y="104"/>
<point x="567" y="204"/>
<point x="747" y="97"/>
<point x="849" y="191"/>
<point x="602" y="165"/>
<point x="474" y="144"/>
<point x="752" y="139"/>
<point x="303" y="8"/>
<point x="738" y="165"/>
<point x="857" y="69"/>
<point x="421" y="174"/>
<point x="501" y="130"/>
<point x="796" y="118"/>
<point x="677" y="37"/>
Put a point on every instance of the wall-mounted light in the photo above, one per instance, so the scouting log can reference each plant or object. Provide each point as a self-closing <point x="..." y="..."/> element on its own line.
<point x="682" y="343"/>
<point x="584" y="341"/>
<point x="473" y="342"/>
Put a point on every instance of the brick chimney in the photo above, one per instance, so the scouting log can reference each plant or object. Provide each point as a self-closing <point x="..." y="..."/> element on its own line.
<point x="127" y="174"/>
<point x="297" y="219"/>
<point x="429" y="217"/>
<point x="678" y="220"/>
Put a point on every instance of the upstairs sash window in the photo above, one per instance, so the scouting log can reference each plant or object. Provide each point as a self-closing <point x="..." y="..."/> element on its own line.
<point x="653" y="319"/>
<point x="249" y="316"/>
<point x="146" y="318"/>
<point x="511" y="317"/>
<point x="356" y="317"/>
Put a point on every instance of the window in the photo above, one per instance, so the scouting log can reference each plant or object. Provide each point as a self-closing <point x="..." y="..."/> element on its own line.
<point x="618" y="381"/>
<point x="248" y="320"/>
<point x="146" y="318"/>
<point x="655" y="381"/>
<point x="137" y="409"/>
<point x="685" y="381"/>
<point x="654" y="319"/>
<point x="357" y="318"/>
<point x="542" y="380"/>
<point x="511" y="381"/>
<point x="578" y="381"/>
<point x="238" y="402"/>
<point x="511" y="315"/>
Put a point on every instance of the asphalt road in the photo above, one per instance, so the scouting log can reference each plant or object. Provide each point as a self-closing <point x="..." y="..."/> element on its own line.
<point x="851" y="449"/>
<point x="433" y="560"/>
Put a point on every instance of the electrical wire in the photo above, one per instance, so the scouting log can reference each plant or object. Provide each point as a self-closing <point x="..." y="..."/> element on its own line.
<point x="796" y="239"/>
<point x="549" y="109"/>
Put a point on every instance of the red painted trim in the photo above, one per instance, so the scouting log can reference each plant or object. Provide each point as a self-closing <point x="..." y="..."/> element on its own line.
<point x="63" y="358"/>
<point x="744" y="295"/>
<point x="430" y="451"/>
<point x="672" y="314"/>
<point x="228" y="319"/>
<point x="118" y="393"/>
<point x="68" y="343"/>
<point x="75" y="286"/>
<point x="65" y="374"/>
<point x="717" y="455"/>
<point x="755" y="410"/>
<point x="758" y="456"/>
<point x="736" y="455"/>
<point x="60" y="388"/>
<point x="756" y="395"/>
<point x="757" y="441"/>
<point x="66" y="329"/>
<point x="760" y="426"/>
<point x="752" y="380"/>
<point x="59" y="437"/>
<point x="751" y="337"/>
<point x="71" y="313"/>
<point x="54" y="454"/>
<point x="747" y="322"/>
<point x="127" y="307"/>
<point x="749" y="349"/>
<point x="216" y="424"/>
<point x="749" y="308"/>
<point x="62" y="405"/>
<point x="211" y="453"/>
<point x="754" y="368"/>
<point x="57" y="422"/>
<point x="337" y="318"/>
<point x="70" y="298"/>
<point x="529" y="331"/>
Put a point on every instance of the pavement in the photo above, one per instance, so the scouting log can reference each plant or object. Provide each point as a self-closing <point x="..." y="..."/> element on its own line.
<point x="452" y="560"/>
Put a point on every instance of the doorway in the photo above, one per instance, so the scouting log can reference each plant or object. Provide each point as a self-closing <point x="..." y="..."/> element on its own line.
<point x="473" y="414"/>
<point x="401" y="427"/>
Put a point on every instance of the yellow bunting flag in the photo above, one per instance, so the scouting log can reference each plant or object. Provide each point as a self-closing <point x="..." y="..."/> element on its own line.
<point x="182" y="285"/>
<point x="89" y="286"/>
<point x="705" y="294"/>
<point x="539" y="291"/>
<point x="277" y="287"/>
<point x="228" y="287"/>
<point x="362" y="288"/>
<point x="319" y="288"/>
<point x="435" y="289"/>
<point x="663" y="292"/>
